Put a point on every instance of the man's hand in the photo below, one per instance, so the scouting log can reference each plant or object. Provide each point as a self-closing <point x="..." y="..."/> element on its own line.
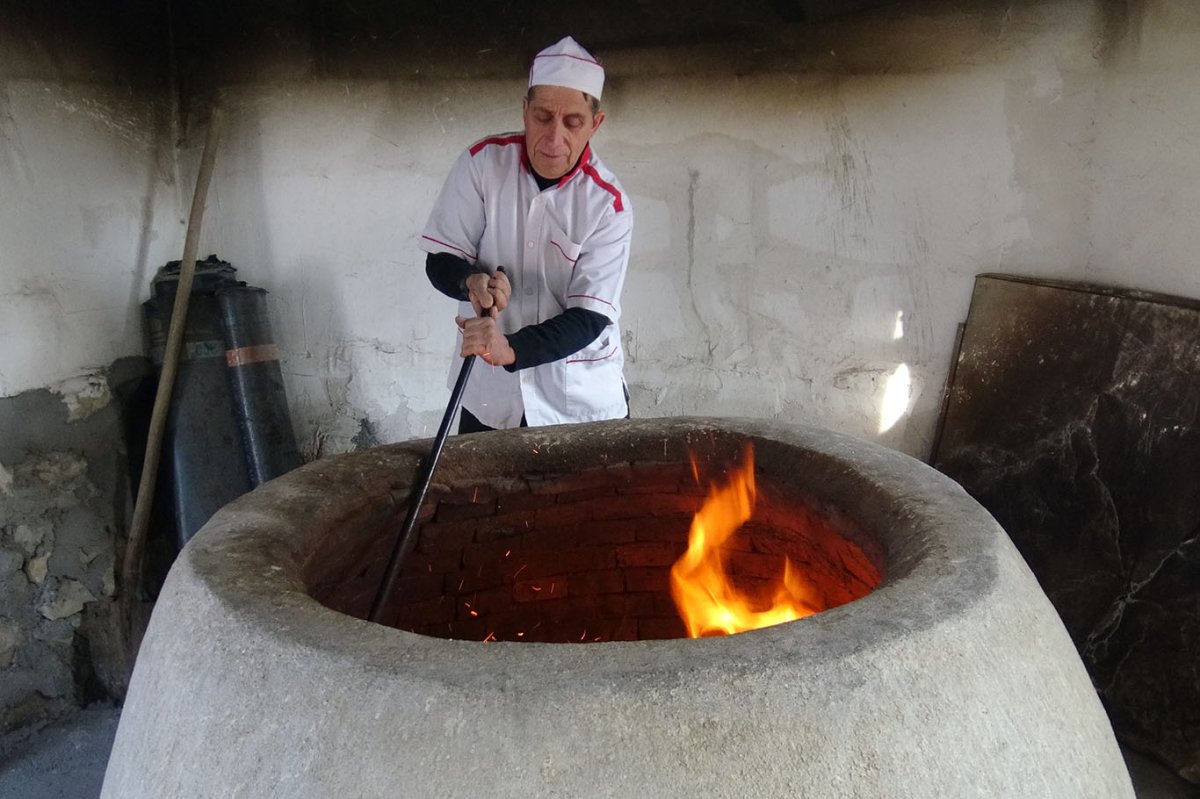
<point x="482" y="337"/>
<point x="488" y="292"/>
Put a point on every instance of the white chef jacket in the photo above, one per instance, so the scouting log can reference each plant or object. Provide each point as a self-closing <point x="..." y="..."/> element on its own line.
<point x="565" y="247"/>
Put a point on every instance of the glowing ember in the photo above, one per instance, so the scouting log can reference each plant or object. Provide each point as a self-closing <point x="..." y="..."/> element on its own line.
<point x="707" y="600"/>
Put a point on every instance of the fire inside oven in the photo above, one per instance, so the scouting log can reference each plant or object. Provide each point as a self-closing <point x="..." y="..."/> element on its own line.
<point x="625" y="552"/>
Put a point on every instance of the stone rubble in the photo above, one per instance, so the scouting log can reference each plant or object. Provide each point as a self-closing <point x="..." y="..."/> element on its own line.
<point x="58" y="478"/>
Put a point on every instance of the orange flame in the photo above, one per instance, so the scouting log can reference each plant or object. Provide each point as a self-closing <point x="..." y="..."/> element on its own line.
<point x="708" y="602"/>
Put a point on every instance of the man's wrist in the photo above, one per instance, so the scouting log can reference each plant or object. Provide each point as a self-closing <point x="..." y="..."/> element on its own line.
<point x="511" y="366"/>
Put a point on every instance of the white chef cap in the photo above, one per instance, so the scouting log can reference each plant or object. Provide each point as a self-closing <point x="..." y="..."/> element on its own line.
<point x="565" y="63"/>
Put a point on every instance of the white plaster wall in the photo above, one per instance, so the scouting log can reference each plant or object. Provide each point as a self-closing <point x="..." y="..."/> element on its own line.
<point x="88" y="210"/>
<point x="320" y="193"/>
<point x="1144" y="227"/>
<point x="809" y="220"/>
<point x="802" y="234"/>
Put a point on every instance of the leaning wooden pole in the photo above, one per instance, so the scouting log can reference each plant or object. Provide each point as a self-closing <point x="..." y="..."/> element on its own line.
<point x="131" y="568"/>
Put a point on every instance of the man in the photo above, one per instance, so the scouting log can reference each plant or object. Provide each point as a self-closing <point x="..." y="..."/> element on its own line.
<point x="533" y="231"/>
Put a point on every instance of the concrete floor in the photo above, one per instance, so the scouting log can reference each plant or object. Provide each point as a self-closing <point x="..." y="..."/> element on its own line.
<point x="66" y="760"/>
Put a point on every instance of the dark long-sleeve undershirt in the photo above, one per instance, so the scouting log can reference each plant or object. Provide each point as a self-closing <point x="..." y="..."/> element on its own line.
<point x="534" y="345"/>
<point x="448" y="274"/>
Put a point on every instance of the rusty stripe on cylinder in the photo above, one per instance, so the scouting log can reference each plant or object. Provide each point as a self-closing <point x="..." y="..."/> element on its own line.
<point x="244" y="356"/>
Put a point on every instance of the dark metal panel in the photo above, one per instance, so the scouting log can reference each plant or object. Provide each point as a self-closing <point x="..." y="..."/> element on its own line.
<point x="1074" y="417"/>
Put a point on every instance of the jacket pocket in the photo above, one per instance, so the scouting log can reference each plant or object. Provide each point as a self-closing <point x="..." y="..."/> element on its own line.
<point x="593" y="380"/>
<point x="559" y="255"/>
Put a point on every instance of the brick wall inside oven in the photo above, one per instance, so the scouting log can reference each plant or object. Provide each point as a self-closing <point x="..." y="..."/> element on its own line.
<point x="581" y="557"/>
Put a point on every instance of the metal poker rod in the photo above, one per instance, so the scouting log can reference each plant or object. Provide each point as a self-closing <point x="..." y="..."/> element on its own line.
<point x="417" y="497"/>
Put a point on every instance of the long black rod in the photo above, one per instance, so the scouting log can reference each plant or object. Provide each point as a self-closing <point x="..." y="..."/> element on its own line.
<point x="418" y="495"/>
<point x="424" y="478"/>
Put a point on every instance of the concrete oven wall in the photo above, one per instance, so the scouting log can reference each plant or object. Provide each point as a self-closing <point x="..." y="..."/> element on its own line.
<point x="813" y="198"/>
<point x="954" y="678"/>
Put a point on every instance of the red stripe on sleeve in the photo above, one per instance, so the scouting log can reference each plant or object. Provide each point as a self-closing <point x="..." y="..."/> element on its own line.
<point x="468" y="255"/>
<point x="591" y="172"/>
<point x="516" y="138"/>
<point x="590" y="297"/>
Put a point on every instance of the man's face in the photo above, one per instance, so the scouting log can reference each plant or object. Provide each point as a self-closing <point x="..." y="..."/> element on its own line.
<point x="558" y="124"/>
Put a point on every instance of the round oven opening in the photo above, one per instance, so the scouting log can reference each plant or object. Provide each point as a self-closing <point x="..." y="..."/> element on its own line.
<point x="584" y="554"/>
